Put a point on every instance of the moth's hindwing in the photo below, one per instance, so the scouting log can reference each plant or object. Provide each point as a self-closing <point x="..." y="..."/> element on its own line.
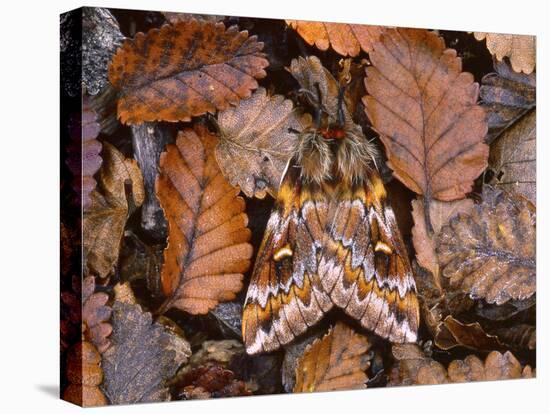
<point x="285" y="295"/>
<point x="364" y="267"/>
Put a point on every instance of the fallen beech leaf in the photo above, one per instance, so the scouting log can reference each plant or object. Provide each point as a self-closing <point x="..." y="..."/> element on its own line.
<point x="103" y="224"/>
<point x="185" y="70"/>
<point x="256" y="142"/>
<point x="506" y="97"/>
<point x="490" y="253"/>
<point x="521" y="49"/>
<point x="208" y="248"/>
<point x="412" y="367"/>
<point x="95" y="315"/>
<point x="84" y="374"/>
<point x="345" y="39"/>
<point x="143" y="356"/>
<point x="424" y="108"/>
<point x="513" y="158"/>
<point x="424" y="242"/>
<point x="335" y="362"/>
<point x="452" y="333"/>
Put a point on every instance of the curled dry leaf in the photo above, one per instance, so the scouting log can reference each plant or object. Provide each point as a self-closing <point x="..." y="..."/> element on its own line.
<point x="256" y="142"/>
<point x="413" y="367"/>
<point x="506" y="97"/>
<point x="424" y="108"/>
<point x="143" y="356"/>
<point x="335" y="362"/>
<point x="211" y="381"/>
<point x="120" y="191"/>
<point x="95" y="315"/>
<point x="208" y="248"/>
<point x="513" y="158"/>
<point x="452" y="333"/>
<point x="185" y="70"/>
<point x="424" y="242"/>
<point x="84" y="375"/>
<point x="345" y="39"/>
<point x="520" y="49"/>
<point x="490" y="253"/>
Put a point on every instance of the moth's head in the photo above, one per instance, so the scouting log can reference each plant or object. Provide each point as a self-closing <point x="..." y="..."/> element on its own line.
<point x="340" y="154"/>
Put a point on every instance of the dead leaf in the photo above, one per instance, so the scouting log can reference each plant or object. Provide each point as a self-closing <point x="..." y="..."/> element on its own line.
<point x="521" y="336"/>
<point x="256" y="142"/>
<point x="513" y="158"/>
<point x="413" y="367"/>
<point x="208" y="248"/>
<point x="490" y="253"/>
<point x="211" y="381"/>
<point x="452" y="333"/>
<point x="143" y="356"/>
<point x="521" y="49"/>
<point x="424" y="108"/>
<point x="84" y="374"/>
<point x="424" y="242"/>
<point x="103" y="224"/>
<point x="497" y="366"/>
<point x="506" y="97"/>
<point x="95" y="315"/>
<point x="345" y="39"/>
<point x="336" y="362"/>
<point x="185" y="70"/>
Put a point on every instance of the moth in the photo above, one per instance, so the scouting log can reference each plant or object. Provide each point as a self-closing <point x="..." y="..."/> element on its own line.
<point x="331" y="241"/>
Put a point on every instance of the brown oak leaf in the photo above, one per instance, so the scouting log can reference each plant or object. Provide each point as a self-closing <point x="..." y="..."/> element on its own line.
<point x="256" y="142"/>
<point x="490" y="253"/>
<point x="208" y="248"/>
<point x="335" y="362"/>
<point x="185" y="70"/>
<point x="424" y="108"/>
<point x="345" y="39"/>
<point x="520" y="49"/>
<point x="144" y="354"/>
<point x="506" y="97"/>
<point x="513" y="158"/>
<point x="120" y="191"/>
<point x="84" y="374"/>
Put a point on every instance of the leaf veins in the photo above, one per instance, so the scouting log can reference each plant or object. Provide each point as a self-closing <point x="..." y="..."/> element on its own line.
<point x="208" y="248"/>
<point x="335" y="362"/>
<point x="424" y="108"/>
<point x="185" y="70"/>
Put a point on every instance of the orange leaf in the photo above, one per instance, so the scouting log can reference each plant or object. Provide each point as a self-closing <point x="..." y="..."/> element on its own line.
<point x="345" y="39"/>
<point x="208" y="248"/>
<point x="336" y="362"/>
<point x="424" y="108"/>
<point x="185" y="70"/>
<point x="521" y="49"/>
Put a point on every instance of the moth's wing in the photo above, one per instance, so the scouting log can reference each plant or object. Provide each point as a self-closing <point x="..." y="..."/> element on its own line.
<point x="285" y="296"/>
<point x="365" y="268"/>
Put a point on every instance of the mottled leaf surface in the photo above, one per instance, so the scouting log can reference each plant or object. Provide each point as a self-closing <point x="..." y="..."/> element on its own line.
<point x="520" y="49"/>
<point x="185" y="70"/>
<point x="256" y="142"/>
